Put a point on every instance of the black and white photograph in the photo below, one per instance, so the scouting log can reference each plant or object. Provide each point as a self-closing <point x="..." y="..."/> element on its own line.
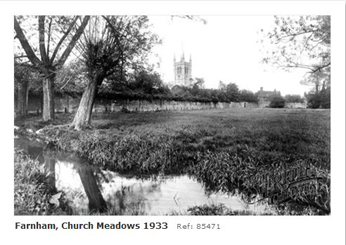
<point x="131" y="120"/>
<point x="157" y="115"/>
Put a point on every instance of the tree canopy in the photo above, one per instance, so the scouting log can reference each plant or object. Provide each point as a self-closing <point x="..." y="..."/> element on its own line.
<point x="302" y="42"/>
<point x="113" y="49"/>
<point x="52" y="44"/>
<point x="293" y="98"/>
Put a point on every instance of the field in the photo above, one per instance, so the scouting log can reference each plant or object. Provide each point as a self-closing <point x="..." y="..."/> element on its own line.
<point x="227" y="150"/>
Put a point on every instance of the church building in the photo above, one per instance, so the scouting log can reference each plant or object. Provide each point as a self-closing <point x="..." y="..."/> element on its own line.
<point x="182" y="71"/>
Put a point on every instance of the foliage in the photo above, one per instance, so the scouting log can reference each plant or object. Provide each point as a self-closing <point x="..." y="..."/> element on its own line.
<point x="319" y="96"/>
<point x="303" y="42"/>
<point x="291" y="98"/>
<point x="319" y="100"/>
<point x="71" y="78"/>
<point x="148" y="83"/>
<point x="181" y="91"/>
<point x="232" y="92"/>
<point x="117" y="47"/>
<point x="277" y="101"/>
<point x="32" y="194"/>
<point x="57" y="30"/>
<point x="24" y="73"/>
<point x="112" y="46"/>
<point x="225" y="93"/>
<point x="247" y="96"/>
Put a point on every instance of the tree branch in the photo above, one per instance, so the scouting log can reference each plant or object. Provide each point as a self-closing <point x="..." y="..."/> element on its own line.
<point x="25" y="44"/>
<point x="49" y="36"/>
<point x="293" y="35"/>
<point x="66" y="83"/>
<point x="42" y="47"/>
<point x="73" y="42"/>
<point x="321" y="67"/>
<point x="21" y="56"/>
<point x="62" y="39"/>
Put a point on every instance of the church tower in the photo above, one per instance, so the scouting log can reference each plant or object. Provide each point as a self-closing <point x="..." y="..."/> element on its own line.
<point x="182" y="71"/>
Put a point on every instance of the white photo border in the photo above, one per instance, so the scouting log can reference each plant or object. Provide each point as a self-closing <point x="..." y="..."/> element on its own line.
<point x="234" y="229"/>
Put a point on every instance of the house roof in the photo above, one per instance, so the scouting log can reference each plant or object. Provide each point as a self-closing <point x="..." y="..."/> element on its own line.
<point x="265" y="93"/>
<point x="262" y="93"/>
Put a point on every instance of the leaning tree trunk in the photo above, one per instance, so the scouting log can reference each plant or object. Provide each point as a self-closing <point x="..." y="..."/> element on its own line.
<point x="48" y="97"/>
<point x="82" y="118"/>
<point x="96" y="201"/>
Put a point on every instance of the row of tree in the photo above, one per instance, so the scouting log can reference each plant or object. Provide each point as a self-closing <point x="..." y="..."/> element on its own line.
<point x="225" y="93"/>
<point x="109" y="53"/>
<point x="148" y="85"/>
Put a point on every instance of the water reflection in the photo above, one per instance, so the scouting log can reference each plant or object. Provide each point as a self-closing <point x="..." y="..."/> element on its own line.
<point x="90" y="190"/>
<point x="161" y="196"/>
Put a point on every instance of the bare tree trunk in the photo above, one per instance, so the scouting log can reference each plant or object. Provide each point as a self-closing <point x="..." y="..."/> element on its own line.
<point x="48" y="98"/>
<point x="26" y="96"/>
<point x="41" y="102"/>
<point x="323" y="86"/>
<point x="82" y="118"/>
<point x="22" y="98"/>
<point x="317" y="85"/>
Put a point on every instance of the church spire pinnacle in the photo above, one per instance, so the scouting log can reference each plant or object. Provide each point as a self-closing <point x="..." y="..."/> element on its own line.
<point x="182" y="51"/>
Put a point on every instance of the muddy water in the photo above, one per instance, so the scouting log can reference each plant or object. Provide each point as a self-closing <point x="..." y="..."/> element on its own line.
<point x="91" y="189"/>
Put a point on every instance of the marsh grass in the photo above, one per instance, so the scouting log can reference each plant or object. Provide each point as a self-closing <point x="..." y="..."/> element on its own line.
<point x="32" y="193"/>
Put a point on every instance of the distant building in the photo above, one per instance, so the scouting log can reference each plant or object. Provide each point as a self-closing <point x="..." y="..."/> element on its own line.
<point x="265" y="96"/>
<point x="182" y="71"/>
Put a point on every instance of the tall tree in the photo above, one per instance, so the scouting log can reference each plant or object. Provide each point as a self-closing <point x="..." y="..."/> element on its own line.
<point x="147" y="83"/>
<point x="51" y="59"/>
<point x="111" y="48"/>
<point x="197" y="85"/>
<point x="248" y="96"/>
<point x="232" y="92"/>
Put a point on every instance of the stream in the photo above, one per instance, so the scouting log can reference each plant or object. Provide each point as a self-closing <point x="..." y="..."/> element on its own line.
<point x="89" y="189"/>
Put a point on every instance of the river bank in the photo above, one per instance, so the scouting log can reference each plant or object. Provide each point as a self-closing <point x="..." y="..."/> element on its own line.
<point x="33" y="194"/>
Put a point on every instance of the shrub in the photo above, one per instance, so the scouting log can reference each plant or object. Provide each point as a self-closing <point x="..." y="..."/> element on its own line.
<point x="319" y="100"/>
<point x="277" y="102"/>
<point x="292" y="98"/>
<point x="32" y="193"/>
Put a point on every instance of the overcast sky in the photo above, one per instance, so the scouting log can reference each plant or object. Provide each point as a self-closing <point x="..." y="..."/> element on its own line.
<point x="225" y="49"/>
